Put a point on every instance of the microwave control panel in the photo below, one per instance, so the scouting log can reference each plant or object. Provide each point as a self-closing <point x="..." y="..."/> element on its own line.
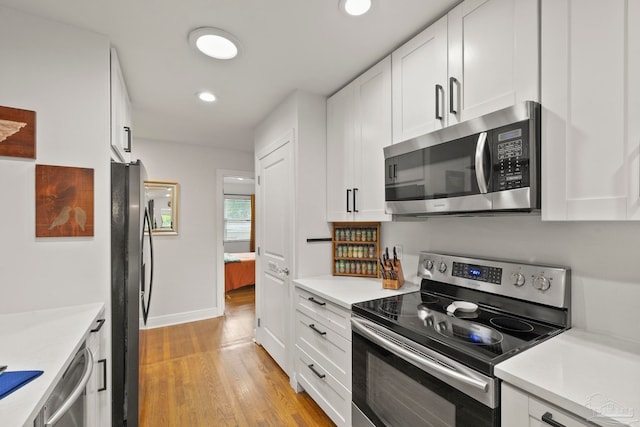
<point x="510" y="147"/>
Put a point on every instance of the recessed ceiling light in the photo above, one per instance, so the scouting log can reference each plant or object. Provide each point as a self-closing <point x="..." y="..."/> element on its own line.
<point x="214" y="42"/>
<point x="355" y="7"/>
<point x="206" y="96"/>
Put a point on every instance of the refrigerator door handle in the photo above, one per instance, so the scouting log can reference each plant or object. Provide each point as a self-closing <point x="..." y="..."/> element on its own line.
<point x="146" y="304"/>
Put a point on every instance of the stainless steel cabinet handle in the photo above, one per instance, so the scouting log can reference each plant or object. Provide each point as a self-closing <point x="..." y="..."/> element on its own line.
<point x="100" y="323"/>
<point x="318" y="374"/>
<point x="361" y="326"/>
<point x="480" y="147"/>
<point x="452" y="82"/>
<point x="439" y="90"/>
<point x="547" y="418"/>
<point x="103" y="362"/>
<point x="77" y="392"/>
<point x="316" y="330"/>
<point x="127" y="149"/>
<point x="348" y="191"/>
<point x="355" y="195"/>
<point x="315" y="301"/>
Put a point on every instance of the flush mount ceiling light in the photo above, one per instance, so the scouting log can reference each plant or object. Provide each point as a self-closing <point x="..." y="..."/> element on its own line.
<point x="214" y="42"/>
<point x="355" y="7"/>
<point x="206" y="96"/>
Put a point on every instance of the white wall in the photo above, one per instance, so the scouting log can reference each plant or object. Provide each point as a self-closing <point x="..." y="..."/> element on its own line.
<point x="604" y="258"/>
<point x="62" y="73"/>
<point x="185" y="278"/>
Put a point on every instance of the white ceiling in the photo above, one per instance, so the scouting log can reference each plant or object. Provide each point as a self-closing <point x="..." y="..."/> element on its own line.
<point x="286" y="45"/>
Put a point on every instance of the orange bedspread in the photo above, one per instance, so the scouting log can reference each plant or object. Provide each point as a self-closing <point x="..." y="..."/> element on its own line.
<point x="239" y="274"/>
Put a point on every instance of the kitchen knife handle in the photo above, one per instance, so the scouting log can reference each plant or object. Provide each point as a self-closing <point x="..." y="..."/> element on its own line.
<point x="315" y="301"/>
<point x="316" y="330"/>
<point x="318" y="374"/>
<point x="547" y="418"/>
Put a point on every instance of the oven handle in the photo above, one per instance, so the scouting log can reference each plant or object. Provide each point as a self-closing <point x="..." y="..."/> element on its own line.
<point x="480" y="176"/>
<point x="361" y="326"/>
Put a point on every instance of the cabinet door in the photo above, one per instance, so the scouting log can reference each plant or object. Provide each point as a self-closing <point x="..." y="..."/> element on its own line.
<point x="120" y="113"/>
<point x="419" y="73"/>
<point x="372" y="97"/>
<point x="340" y="140"/>
<point x="590" y="98"/>
<point x="493" y="56"/>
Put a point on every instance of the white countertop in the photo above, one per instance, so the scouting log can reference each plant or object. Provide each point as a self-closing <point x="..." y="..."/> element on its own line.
<point x="594" y="376"/>
<point x="345" y="291"/>
<point x="45" y="340"/>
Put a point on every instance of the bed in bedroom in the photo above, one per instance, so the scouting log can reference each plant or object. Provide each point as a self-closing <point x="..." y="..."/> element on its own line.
<point x="239" y="270"/>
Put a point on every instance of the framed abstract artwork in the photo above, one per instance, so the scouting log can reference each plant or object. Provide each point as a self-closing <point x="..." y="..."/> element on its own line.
<point x="17" y="133"/>
<point x="64" y="201"/>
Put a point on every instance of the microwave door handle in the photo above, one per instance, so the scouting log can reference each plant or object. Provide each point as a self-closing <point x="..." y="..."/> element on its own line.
<point x="480" y="173"/>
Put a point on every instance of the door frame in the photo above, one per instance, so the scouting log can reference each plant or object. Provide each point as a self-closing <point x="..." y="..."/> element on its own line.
<point x="220" y="175"/>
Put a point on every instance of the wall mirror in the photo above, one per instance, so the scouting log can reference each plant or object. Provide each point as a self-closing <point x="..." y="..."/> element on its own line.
<point x="162" y="204"/>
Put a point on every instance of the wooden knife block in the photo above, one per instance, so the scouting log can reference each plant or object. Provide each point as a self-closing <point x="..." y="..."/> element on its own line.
<point x="394" y="283"/>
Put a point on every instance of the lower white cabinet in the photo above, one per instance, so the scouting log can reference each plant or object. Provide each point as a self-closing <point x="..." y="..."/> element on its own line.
<point x="323" y="354"/>
<point x="97" y="404"/>
<point x="520" y="409"/>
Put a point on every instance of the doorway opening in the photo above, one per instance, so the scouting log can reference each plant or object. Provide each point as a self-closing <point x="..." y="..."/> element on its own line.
<point x="236" y="233"/>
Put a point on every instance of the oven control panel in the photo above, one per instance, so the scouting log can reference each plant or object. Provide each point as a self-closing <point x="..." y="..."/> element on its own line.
<point x="477" y="272"/>
<point x="542" y="284"/>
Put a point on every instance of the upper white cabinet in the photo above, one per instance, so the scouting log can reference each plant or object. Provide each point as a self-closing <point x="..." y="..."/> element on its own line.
<point x="590" y="96"/>
<point x="120" y="113"/>
<point x="358" y="127"/>
<point x="481" y="57"/>
<point x="419" y="83"/>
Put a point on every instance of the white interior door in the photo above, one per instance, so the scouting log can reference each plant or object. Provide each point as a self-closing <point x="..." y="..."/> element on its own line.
<point x="275" y="228"/>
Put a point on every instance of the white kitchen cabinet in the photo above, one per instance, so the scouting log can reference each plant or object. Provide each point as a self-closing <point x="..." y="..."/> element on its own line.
<point x="520" y="409"/>
<point x="419" y="70"/>
<point x="120" y="113"/>
<point x="358" y="128"/>
<point x="590" y="96"/>
<point x="96" y="403"/>
<point x="323" y="354"/>
<point x="481" y="57"/>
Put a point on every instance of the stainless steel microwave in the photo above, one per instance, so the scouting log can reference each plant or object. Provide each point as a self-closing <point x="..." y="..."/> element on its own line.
<point x="486" y="165"/>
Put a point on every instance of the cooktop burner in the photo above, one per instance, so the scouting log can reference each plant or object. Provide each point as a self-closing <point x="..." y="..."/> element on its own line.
<point x="509" y="324"/>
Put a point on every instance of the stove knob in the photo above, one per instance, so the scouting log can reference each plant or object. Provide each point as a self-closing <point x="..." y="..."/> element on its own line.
<point x="541" y="283"/>
<point x="428" y="264"/>
<point x="518" y="279"/>
<point x="443" y="267"/>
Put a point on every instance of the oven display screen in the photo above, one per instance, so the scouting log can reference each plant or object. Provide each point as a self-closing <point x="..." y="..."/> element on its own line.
<point x="478" y="272"/>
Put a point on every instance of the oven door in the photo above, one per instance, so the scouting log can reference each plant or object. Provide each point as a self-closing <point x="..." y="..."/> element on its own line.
<point x="397" y="382"/>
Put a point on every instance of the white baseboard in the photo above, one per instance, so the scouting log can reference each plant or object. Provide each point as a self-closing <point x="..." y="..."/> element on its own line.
<point x="175" y="319"/>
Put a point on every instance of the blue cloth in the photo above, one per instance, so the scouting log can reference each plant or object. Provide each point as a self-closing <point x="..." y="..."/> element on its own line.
<point x="12" y="381"/>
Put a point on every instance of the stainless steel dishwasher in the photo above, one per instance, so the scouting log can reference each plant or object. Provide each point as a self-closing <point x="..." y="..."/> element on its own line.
<point x="66" y="406"/>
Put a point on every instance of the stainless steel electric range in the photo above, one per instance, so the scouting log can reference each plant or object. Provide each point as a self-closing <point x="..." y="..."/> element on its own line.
<point x="427" y="357"/>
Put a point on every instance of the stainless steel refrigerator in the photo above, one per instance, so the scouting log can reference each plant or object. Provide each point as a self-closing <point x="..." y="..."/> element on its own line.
<point x="131" y="286"/>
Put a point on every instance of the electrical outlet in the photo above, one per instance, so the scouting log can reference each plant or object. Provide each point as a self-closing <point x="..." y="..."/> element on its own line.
<point x="399" y="251"/>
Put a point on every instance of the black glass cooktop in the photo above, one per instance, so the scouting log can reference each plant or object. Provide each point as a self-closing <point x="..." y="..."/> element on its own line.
<point x="479" y="339"/>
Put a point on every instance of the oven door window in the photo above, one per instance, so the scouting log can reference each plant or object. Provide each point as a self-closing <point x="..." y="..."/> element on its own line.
<point x="443" y="170"/>
<point x="393" y="392"/>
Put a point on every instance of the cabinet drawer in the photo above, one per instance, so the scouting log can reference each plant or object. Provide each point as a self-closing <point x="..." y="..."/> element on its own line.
<point x="328" y="393"/>
<point x="329" y="348"/>
<point x="336" y="318"/>
<point x="538" y="409"/>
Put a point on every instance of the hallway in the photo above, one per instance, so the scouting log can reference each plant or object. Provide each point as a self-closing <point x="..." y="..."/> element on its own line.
<point x="211" y="373"/>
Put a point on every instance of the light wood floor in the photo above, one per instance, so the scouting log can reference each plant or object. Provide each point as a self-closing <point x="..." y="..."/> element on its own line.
<point x="211" y="373"/>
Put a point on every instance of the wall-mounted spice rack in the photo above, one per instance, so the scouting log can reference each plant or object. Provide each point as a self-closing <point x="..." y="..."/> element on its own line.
<point x="356" y="249"/>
